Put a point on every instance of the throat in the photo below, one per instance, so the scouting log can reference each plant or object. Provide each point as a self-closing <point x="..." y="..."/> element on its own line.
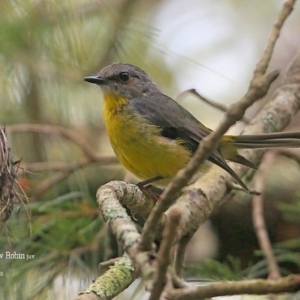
<point x="113" y="103"/>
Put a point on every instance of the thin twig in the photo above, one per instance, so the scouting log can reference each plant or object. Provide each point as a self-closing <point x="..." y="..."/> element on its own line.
<point x="65" y="169"/>
<point x="56" y="130"/>
<point x="212" y="103"/>
<point x="263" y="64"/>
<point x="288" y="284"/>
<point x="258" y="215"/>
<point x="122" y="15"/>
<point x="179" y="255"/>
<point x="64" y="173"/>
<point x="164" y="256"/>
<point x="108" y="263"/>
<point x="66" y="166"/>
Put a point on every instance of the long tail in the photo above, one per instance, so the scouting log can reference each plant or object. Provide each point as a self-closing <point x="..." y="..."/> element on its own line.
<point x="267" y="140"/>
<point x="230" y="143"/>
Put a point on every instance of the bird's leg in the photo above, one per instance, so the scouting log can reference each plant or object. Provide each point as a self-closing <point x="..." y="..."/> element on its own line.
<point x="144" y="183"/>
<point x="148" y="189"/>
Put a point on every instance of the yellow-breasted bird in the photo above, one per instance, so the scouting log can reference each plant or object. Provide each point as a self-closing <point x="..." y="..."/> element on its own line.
<point x="154" y="137"/>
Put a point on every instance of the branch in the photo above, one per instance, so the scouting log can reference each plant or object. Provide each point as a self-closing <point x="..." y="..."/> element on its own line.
<point x="65" y="169"/>
<point x="116" y="279"/>
<point x="122" y="16"/>
<point x="67" y="166"/>
<point x="56" y="130"/>
<point x="8" y="183"/>
<point x="288" y="284"/>
<point x="114" y="214"/>
<point x="180" y="253"/>
<point x="258" y="216"/>
<point x="164" y="256"/>
<point x="212" y="103"/>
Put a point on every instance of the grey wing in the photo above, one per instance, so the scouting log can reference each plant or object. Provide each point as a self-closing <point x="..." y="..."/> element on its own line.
<point x="174" y="120"/>
<point x="177" y="123"/>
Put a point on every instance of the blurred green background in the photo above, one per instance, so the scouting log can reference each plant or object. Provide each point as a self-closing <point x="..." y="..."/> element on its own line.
<point x="46" y="49"/>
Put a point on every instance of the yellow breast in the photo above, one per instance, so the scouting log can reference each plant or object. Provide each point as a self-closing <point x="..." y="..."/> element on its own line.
<point x="138" y="145"/>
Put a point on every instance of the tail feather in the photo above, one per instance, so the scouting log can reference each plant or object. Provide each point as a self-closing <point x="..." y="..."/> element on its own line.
<point x="268" y="140"/>
<point x="229" y="145"/>
<point x="270" y="136"/>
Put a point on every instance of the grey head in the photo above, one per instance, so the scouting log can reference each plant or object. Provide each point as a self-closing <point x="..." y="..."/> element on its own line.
<point x="125" y="80"/>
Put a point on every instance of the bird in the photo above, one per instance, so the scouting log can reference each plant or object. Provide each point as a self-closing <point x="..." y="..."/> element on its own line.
<point x="154" y="137"/>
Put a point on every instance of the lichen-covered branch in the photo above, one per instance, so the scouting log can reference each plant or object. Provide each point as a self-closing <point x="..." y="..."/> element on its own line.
<point x="112" y="282"/>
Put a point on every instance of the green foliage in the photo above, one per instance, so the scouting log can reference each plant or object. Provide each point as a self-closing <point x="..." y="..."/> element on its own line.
<point x="213" y="269"/>
<point x="287" y="257"/>
<point x="59" y="237"/>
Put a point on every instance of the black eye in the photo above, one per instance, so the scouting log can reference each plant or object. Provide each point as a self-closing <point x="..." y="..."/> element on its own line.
<point x="124" y="76"/>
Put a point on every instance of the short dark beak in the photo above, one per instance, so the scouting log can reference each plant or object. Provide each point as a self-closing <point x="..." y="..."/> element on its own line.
<point x="95" y="80"/>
